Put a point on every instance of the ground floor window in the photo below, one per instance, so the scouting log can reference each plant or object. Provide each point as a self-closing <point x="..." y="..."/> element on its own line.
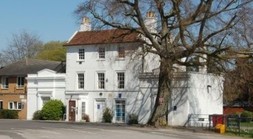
<point x="14" y="105"/>
<point x="120" y="110"/>
<point x="1" y="104"/>
<point x="45" y="100"/>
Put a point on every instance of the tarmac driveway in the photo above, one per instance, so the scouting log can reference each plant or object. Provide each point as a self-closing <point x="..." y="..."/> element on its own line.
<point x="17" y="129"/>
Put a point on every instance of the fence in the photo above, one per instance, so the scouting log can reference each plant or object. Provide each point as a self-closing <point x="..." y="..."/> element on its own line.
<point x="234" y="123"/>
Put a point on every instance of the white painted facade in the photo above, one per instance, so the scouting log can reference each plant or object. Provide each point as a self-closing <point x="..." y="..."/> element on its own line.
<point x="194" y="93"/>
<point x="91" y="95"/>
<point x="46" y="84"/>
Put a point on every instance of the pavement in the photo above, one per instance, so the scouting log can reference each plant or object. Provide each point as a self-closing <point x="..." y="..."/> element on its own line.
<point x="19" y="129"/>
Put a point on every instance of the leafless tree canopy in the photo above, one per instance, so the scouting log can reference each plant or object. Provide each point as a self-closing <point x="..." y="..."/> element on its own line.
<point x="189" y="29"/>
<point x="21" y="45"/>
<point x="184" y="26"/>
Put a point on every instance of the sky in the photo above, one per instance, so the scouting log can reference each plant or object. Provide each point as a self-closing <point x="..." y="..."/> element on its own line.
<point x="48" y="19"/>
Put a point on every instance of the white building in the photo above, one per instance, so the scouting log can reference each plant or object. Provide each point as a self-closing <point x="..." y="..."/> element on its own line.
<point x="45" y="85"/>
<point x="101" y="72"/>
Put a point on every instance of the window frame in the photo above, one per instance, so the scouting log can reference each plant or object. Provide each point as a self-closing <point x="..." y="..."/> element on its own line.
<point x="5" y="82"/>
<point x="121" y="52"/>
<point x="119" y="80"/>
<point x="101" y="52"/>
<point x="79" y="82"/>
<point x="14" y="105"/>
<point x="18" y="82"/>
<point x="100" y="83"/>
<point x="81" y="54"/>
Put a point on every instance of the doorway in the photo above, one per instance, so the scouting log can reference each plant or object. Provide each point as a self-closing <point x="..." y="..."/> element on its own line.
<point x="72" y="110"/>
<point x="100" y="106"/>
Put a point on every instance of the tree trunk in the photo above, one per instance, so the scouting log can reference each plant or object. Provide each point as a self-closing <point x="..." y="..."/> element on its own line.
<point x="160" y="113"/>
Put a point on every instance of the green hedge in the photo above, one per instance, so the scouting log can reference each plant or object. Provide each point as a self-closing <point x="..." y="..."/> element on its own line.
<point x="8" y="114"/>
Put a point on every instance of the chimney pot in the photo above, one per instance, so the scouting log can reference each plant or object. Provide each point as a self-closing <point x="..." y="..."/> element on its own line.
<point x="85" y="25"/>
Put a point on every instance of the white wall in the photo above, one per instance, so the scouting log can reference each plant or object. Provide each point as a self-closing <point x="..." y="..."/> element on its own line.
<point x="46" y="83"/>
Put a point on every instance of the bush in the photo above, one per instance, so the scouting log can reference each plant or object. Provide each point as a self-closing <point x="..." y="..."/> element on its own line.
<point x="132" y="119"/>
<point x="86" y="117"/>
<point x="107" y="115"/>
<point x="37" y="115"/>
<point x="246" y="116"/>
<point x="8" y="114"/>
<point x="52" y="110"/>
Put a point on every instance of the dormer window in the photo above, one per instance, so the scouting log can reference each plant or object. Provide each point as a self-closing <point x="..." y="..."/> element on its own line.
<point x="101" y="52"/>
<point x="81" y="54"/>
<point x="121" y="52"/>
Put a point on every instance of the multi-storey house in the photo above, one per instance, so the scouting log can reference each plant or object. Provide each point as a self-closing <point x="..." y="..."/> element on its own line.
<point x="105" y="68"/>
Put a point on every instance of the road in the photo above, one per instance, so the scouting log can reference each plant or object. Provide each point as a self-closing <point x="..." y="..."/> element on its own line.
<point x="18" y="129"/>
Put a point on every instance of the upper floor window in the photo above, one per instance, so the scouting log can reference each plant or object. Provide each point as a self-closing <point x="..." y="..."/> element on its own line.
<point x="20" y="82"/>
<point x="121" y="80"/>
<point x="101" y="80"/>
<point x="81" y="53"/>
<point x="80" y="80"/>
<point x="5" y="82"/>
<point x="101" y="52"/>
<point x="14" y="105"/>
<point x="121" y="52"/>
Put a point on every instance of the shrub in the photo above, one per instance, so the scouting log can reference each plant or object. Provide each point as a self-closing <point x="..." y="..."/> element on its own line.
<point x="132" y="119"/>
<point x="86" y="117"/>
<point x="246" y="116"/>
<point x="37" y="115"/>
<point x="8" y="114"/>
<point x="107" y="115"/>
<point x="52" y="110"/>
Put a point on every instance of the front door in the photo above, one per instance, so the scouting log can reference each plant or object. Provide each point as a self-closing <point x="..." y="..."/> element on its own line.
<point x="100" y="106"/>
<point x="72" y="110"/>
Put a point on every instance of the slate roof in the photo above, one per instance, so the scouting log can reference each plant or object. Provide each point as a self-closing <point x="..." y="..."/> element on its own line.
<point x="103" y="37"/>
<point x="29" y="66"/>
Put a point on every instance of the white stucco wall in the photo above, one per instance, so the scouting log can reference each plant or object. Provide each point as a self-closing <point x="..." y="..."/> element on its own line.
<point x="46" y="83"/>
<point x="189" y="94"/>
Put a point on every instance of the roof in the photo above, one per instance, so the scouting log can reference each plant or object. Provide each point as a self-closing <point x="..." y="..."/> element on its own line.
<point x="103" y="37"/>
<point x="28" y="66"/>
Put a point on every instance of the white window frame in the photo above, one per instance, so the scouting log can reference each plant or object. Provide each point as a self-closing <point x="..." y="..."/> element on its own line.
<point x="121" y="52"/>
<point x="45" y="99"/>
<point x="83" y="110"/>
<point x="119" y="82"/>
<point x="5" y="82"/>
<point x="81" y="54"/>
<point x="79" y="82"/>
<point x="20" y="82"/>
<point x="14" y="105"/>
<point x="101" y="80"/>
<point x="101" y="52"/>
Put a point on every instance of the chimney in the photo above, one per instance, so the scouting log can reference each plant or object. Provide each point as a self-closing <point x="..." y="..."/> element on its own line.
<point x="85" y="25"/>
<point x="151" y="21"/>
<point x="203" y="59"/>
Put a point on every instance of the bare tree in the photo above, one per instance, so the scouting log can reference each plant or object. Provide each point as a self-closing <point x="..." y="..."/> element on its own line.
<point x="186" y="29"/>
<point x="22" y="45"/>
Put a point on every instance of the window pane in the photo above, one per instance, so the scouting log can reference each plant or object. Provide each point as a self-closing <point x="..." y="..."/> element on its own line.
<point x="1" y="104"/>
<point x="11" y="105"/>
<point x="19" y="106"/>
<point x="121" y="80"/>
<point x="81" y="54"/>
<point x="101" y="52"/>
<point x="21" y="82"/>
<point x="5" y="82"/>
<point x="101" y="80"/>
<point x="81" y="81"/>
<point x="121" y="52"/>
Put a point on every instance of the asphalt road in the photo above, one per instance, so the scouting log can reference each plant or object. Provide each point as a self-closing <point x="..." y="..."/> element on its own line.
<point x="18" y="129"/>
